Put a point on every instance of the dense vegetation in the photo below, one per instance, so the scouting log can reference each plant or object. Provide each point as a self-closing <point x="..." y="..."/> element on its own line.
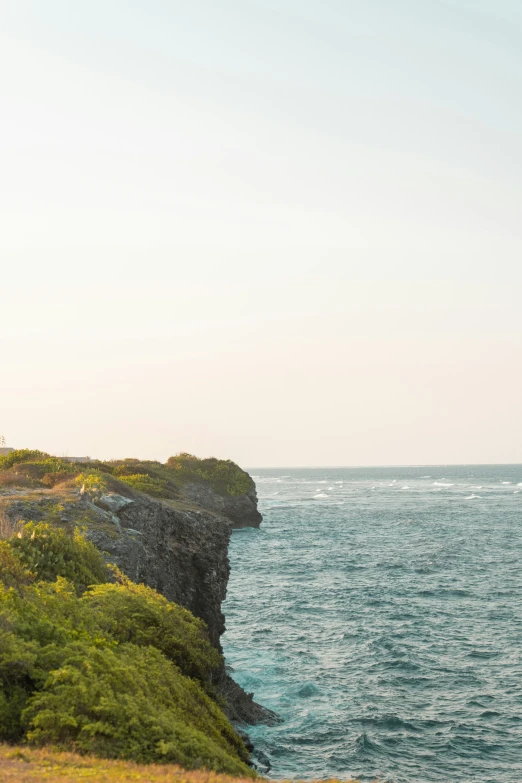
<point x="34" y="469"/>
<point x="112" y="669"/>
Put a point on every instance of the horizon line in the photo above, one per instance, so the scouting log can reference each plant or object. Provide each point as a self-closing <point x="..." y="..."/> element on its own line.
<point x="401" y="465"/>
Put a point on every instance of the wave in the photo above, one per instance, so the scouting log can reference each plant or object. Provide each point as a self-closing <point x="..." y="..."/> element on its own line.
<point x="484" y="654"/>
<point x="304" y="690"/>
<point x="390" y="723"/>
<point x="365" y="744"/>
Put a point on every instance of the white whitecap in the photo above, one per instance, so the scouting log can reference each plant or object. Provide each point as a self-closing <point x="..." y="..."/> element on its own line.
<point x="321" y="495"/>
<point x="472" y="497"/>
<point x="506" y="482"/>
<point x="442" y="484"/>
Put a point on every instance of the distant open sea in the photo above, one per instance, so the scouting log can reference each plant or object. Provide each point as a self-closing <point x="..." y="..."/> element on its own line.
<point x="379" y="612"/>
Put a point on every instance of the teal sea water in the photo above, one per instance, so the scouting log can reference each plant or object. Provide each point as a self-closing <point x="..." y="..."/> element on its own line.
<point x="379" y="612"/>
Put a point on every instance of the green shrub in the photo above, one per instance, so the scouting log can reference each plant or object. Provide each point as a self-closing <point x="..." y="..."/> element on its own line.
<point x="133" y="467"/>
<point x="40" y="467"/>
<point x="49" y="552"/>
<point x="228" y="477"/>
<point x="34" y="468"/>
<point x="131" y="702"/>
<point x="21" y="455"/>
<point x="224" y="476"/>
<point x="13" y="571"/>
<point x="144" y="483"/>
<point x="93" y="483"/>
<point x="119" y="672"/>
<point x="135" y="613"/>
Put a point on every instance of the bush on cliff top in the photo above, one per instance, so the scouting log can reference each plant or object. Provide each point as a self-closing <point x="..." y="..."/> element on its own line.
<point x="151" y="485"/>
<point x="224" y="476"/>
<point x="20" y="455"/>
<point x="117" y="671"/>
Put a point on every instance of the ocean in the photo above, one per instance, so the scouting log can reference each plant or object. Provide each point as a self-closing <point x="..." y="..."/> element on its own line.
<point x="379" y="612"/>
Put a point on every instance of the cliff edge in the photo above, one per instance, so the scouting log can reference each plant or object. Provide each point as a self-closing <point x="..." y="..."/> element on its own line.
<point x="166" y="526"/>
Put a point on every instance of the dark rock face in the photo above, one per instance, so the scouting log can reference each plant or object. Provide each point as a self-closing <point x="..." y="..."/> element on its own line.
<point x="182" y="554"/>
<point x="241" y="510"/>
<point x="178" y="548"/>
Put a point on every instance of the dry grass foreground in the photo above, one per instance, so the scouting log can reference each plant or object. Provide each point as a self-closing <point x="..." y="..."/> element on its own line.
<point x="26" y="765"/>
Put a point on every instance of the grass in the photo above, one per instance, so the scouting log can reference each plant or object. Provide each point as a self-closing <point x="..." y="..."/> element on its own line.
<point x="26" y="765"/>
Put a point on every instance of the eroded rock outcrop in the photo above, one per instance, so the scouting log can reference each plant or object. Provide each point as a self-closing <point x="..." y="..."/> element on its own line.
<point x="241" y="510"/>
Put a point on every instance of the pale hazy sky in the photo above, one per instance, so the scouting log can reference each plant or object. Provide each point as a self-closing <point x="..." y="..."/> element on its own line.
<point x="282" y="231"/>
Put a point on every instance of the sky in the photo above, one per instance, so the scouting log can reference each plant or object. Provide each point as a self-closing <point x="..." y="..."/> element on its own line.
<point x="285" y="232"/>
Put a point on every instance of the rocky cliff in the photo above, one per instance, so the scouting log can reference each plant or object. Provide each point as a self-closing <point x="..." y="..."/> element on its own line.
<point x="178" y="546"/>
<point x="241" y="510"/>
